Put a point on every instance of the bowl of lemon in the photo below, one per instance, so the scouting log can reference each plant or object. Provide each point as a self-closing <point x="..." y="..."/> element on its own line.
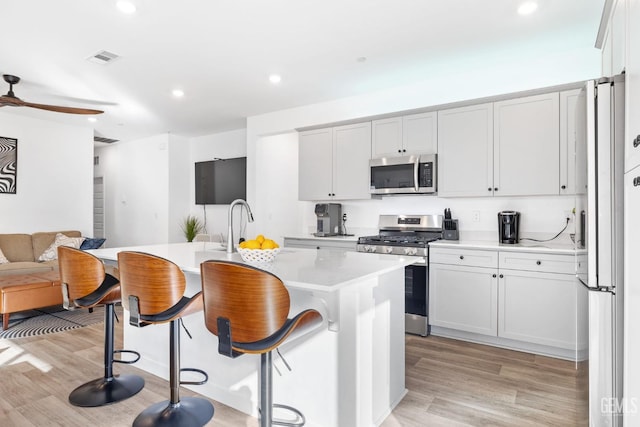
<point x="259" y="250"/>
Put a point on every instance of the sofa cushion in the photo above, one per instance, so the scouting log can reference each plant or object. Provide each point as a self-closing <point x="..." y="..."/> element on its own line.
<point x="18" y="247"/>
<point x="51" y="252"/>
<point x="25" y="267"/>
<point x="43" y="240"/>
<point x="3" y="259"/>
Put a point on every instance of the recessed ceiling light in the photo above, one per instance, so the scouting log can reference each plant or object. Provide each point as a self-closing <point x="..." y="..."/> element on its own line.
<point x="275" y="78"/>
<point x="527" y="8"/>
<point x="361" y="59"/>
<point x="178" y="93"/>
<point x="92" y="119"/>
<point x="126" y="7"/>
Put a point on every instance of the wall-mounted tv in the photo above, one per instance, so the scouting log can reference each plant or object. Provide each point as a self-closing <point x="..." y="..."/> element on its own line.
<point x="221" y="181"/>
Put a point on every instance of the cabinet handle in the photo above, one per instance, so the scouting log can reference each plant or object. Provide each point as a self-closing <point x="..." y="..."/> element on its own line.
<point x="399" y="150"/>
<point x="404" y="151"/>
<point x="489" y="188"/>
<point x="636" y="142"/>
<point x="564" y="187"/>
<point x="538" y="262"/>
<point x="317" y="247"/>
<point x="636" y="181"/>
<point x="461" y="256"/>
<point x="495" y="275"/>
<point x="501" y="276"/>
<point x="495" y="189"/>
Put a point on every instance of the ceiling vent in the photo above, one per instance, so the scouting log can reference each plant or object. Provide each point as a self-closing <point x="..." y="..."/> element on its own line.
<point x="103" y="57"/>
<point x="105" y="140"/>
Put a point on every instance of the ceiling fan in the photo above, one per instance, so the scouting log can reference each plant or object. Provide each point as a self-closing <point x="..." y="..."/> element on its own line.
<point x="13" y="101"/>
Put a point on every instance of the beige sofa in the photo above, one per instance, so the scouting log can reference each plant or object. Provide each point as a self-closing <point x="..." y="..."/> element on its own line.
<point x="25" y="283"/>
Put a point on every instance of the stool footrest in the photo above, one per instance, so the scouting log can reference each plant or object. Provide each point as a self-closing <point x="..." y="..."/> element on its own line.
<point x="199" y="371"/>
<point x="297" y="422"/>
<point x="126" y="362"/>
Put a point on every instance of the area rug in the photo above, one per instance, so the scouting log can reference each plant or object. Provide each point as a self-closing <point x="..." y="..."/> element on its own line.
<point x="50" y="320"/>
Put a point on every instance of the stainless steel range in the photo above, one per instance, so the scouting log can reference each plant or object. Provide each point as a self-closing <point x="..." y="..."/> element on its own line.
<point x="409" y="235"/>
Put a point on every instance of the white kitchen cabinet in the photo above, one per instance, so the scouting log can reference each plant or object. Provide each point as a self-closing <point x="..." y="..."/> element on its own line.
<point x="465" y="151"/>
<point x="632" y="142"/>
<point x="526" y="146"/>
<point x="517" y="299"/>
<point x="319" y="243"/>
<point x="463" y="298"/>
<point x="404" y="135"/>
<point x="568" y="101"/>
<point x="540" y="308"/>
<point x="334" y="163"/>
<point x="617" y="31"/>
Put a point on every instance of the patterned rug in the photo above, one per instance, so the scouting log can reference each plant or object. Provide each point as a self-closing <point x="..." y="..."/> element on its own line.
<point x="50" y="320"/>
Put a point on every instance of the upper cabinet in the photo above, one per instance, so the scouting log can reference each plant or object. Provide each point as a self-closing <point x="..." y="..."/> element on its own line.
<point x="506" y="148"/>
<point x="526" y="146"/>
<point x="334" y="163"/>
<point x="568" y="101"/>
<point x="632" y="144"/>
<point x="465" y="151"/>
<point x="404" y="135"/>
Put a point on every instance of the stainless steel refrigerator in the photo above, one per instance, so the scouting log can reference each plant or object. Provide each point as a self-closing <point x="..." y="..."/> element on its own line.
<point x="599" y="239"/>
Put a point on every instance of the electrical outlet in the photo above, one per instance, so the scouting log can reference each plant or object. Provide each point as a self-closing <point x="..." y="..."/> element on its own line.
<point x="476" y="216"/>
<point x="568" y="214"/>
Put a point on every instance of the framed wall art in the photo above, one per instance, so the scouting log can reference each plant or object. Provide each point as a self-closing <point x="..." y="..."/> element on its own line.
<point x="8" y="165"/>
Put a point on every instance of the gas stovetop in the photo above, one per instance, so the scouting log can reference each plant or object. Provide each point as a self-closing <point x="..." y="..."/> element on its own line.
<point x="403" y="235"/>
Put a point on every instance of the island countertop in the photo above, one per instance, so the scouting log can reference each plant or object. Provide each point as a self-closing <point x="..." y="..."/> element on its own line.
<point x="320" y="270"/>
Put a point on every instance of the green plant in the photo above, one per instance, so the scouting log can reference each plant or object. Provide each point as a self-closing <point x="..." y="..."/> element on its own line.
<point x="191" y="226"/>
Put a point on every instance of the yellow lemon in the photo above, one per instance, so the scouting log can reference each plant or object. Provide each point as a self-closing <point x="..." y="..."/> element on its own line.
<point x="252" y="244"/>
<point x="243" y="244"/>
<point x="260" y="238"/>
<point x="269" y="244"/>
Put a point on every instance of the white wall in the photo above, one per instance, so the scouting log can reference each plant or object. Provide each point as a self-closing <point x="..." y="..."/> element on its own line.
<point x="136" y="176"/>
<point x="54" y="189"/>
<point x="180" y="178"/>
<point x="494" y="76"/>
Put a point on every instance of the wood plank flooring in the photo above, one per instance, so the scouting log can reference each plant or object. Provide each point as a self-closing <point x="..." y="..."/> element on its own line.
<point x="450" y="383"/>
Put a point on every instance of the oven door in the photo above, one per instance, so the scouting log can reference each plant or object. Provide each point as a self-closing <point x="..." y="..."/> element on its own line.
<point x="416" y="298"/>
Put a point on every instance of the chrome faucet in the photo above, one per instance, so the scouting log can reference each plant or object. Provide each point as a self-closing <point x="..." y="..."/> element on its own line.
<point x="230" y="247"/>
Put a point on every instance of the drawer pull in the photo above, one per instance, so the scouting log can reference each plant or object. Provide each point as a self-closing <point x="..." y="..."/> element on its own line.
<point x="636" y="141"/>
<point x="636" y="181"/>
<point x="495" y="275"/>
<point x="538" y="262"/>
<point x="501" y="276"/>
<point x="461" y="256"/>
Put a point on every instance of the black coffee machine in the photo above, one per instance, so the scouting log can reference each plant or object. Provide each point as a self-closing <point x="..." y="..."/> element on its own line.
<point x="508" y="226"/>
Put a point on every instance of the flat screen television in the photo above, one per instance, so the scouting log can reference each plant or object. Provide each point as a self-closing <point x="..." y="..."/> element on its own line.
<point x="221" y="181"/>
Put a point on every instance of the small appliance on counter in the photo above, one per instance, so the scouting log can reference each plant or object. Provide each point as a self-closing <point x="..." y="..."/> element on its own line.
<point x="508" y="226"/>
<point x="449" y="226"/>
<point x="329" y="217"/>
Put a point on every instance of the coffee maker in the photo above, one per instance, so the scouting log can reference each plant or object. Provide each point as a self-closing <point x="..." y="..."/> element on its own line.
<point x="329" y="215"/>
<point x="508" y="226"/>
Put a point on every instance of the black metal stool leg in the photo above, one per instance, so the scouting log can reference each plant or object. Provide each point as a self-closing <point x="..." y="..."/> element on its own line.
<point x="186" y="412"/>
<point x="108" y="389"/>
<point x="266" y="398"/>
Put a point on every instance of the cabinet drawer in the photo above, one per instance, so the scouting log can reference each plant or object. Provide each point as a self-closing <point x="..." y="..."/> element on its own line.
<point x="466" y="257"/>
<point x="548" y="263"/>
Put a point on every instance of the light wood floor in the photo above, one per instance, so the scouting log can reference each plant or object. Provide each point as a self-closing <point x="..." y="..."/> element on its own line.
<point x="450" y="383"/>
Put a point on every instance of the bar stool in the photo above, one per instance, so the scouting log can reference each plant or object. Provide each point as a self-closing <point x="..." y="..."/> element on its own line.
<point x="247" y="308"/>
<point x="153" y="292"/>
<point x="85" y="284"/>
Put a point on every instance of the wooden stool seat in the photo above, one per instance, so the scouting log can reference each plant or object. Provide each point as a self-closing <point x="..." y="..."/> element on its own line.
<point x="85" y="284"/>
<point x="153" y="292"/>
<point x="247" y="309"/>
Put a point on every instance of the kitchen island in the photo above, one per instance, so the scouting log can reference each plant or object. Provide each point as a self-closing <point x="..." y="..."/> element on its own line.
<point x="348" y="372"/>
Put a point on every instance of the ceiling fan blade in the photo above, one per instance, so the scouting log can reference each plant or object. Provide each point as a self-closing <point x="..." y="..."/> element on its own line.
<point x="60" y="109"/>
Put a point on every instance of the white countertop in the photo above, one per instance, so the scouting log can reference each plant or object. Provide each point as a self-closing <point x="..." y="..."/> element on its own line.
<point x="324" y="270"/>
<point x="523" y="246"/>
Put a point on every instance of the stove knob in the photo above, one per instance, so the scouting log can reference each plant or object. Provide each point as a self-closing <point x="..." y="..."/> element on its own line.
<point x="410" y="251"/>
<point x="388" y="249"/>
<point x="369" y="248"/>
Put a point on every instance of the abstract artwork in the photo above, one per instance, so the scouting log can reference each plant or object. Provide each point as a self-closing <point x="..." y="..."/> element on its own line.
<point x="8" y="164"/>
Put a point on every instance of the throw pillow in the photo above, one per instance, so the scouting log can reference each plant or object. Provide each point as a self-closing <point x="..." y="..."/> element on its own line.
<point x="51" y="253"/>
<point x="3" y="259"/>
<point x="92" y="243"/>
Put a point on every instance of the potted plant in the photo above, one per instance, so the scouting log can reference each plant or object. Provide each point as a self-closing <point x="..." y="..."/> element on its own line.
<point x="190" y="227"/>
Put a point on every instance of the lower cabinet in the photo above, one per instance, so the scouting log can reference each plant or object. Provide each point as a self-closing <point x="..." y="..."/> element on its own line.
<point x="463" y="298"/>
<point x="526" y="301"/>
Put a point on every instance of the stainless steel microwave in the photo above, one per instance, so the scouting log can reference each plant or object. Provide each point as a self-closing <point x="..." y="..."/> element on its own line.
<point x="404" y="175"/>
